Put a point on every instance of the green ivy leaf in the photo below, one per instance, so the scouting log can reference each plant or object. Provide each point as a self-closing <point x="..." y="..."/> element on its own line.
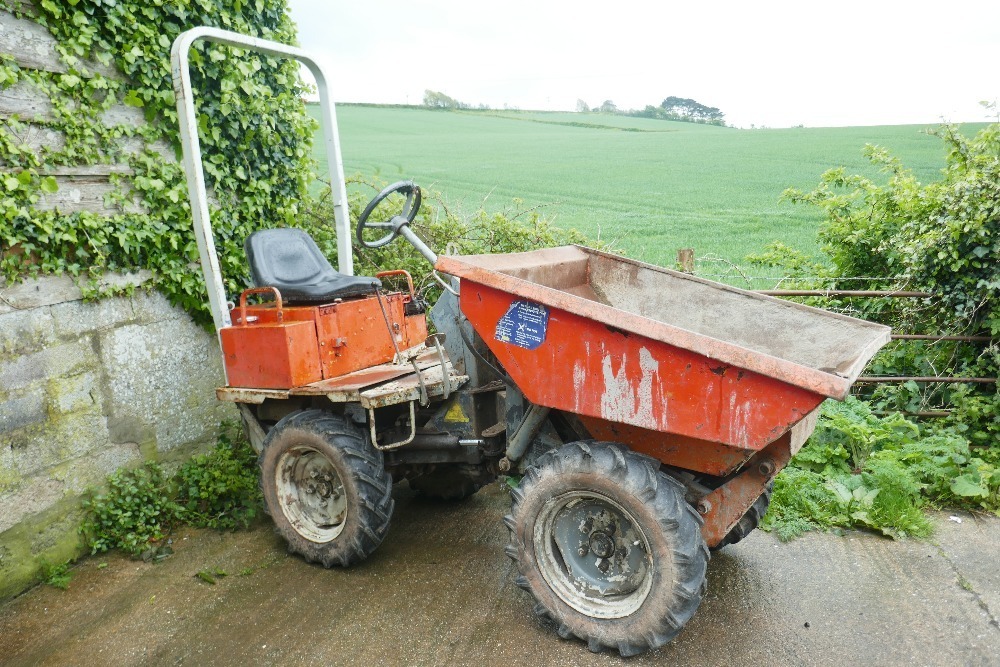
<point x="132" y="99"/>
<point x="49" y="185"/>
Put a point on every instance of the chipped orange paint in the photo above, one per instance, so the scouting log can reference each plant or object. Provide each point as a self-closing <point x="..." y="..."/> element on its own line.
<point x="700" y="375"/>
<point x="591" y="369"/>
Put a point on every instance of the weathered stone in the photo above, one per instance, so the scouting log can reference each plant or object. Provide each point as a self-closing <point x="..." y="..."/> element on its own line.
<point x="40" y="446"/>
<point x="25" y="101"/>
<point x="38" y="137"/>
<point x="9" y="476"/>
<point x="34" y="47"/>
<point x="29" y="103"/>
<point x="51" y="535"/>
<point x="35" y="137"/>
<point x="85" y="388"/>
<point x="24" y="331"/>
<point x="164" y="374"/>
<point x="150" y="307"/>
<point x="87" y="193"/>
<point x="74" y="393"/>
<point x="21" y="411"/>
<point x="92" y="470"/>
<point x="38" y="292"/>
<point x="124" y="280"/>
<point x="35" y="496"/>
<point x="63" y="360"/>
<point x="79" y="318"/>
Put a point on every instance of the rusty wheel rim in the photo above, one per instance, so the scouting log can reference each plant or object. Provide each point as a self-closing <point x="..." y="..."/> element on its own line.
<point x="593" y="554"/>
<point x="311" y="494"/>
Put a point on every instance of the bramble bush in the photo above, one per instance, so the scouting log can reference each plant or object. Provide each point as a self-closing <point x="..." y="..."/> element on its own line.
<point x="941" y="237"/>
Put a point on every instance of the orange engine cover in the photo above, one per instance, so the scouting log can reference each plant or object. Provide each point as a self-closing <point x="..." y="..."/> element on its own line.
<point x="297" y="345"/>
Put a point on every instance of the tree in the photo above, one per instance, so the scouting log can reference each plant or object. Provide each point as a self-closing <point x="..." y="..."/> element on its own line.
<point x="582" y="107"/>
<point x="684" y="108"/>
<point x="607" y="107"/>
<point x="435" y="100"/>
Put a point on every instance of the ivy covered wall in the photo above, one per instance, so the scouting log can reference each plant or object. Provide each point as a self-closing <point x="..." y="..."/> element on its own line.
<point x="89" y="142"/>
<point x="93" y="202"/>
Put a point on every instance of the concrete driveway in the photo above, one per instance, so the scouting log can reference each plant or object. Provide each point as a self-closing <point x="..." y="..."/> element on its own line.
<point x="440" y="591"/>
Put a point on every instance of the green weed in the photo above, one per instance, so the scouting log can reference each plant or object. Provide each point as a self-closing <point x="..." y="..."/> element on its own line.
<point x="879" y="473"/>
<point x="140" y="507"/>
<point x="220" y="489"/>
<point x="136" y="509"/>
<point x="57" y="575"/>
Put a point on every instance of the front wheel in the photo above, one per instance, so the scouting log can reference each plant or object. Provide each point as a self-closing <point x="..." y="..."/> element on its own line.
<point x="608" y="546"/>
<point x="325" y="487"/>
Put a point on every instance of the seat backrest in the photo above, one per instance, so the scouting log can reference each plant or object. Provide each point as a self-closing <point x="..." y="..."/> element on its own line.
<point x="286" y="256"/>
<point x="290" y="260"/>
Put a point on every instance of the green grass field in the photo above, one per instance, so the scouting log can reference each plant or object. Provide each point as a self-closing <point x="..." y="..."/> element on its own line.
<point x="652" y="186"/>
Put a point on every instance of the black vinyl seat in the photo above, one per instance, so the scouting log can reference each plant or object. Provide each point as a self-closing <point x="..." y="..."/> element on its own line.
<point x="289" y="260"/>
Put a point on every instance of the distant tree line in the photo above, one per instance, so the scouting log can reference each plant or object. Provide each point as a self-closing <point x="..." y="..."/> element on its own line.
<point x="672" y="108"/>
<point x="436" y="100"/>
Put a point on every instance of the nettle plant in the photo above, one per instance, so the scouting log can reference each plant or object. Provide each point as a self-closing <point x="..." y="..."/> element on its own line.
<point x="254" y="130"/>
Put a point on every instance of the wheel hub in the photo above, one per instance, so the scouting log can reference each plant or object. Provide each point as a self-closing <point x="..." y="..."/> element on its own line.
<point x="311" y="494"/>
<point x="601" y="544"/>
<point x="593" y="554"/>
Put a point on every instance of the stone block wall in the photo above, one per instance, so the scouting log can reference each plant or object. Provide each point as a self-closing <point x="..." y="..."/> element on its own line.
<point x="86" y="388"/>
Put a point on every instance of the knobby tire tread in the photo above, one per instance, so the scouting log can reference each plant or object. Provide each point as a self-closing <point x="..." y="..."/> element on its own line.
<point x="364" y="471"/>
<point x="639" y="476"/>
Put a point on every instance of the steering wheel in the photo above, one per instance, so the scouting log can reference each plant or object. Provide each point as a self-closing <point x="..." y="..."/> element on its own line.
<point x="397" y="222"/>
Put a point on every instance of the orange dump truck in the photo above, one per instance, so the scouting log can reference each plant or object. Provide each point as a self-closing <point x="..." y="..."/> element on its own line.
<point x="641" y="413"/>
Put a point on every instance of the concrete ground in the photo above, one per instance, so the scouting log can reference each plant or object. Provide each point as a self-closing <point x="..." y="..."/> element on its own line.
<point x="440" y="591"/>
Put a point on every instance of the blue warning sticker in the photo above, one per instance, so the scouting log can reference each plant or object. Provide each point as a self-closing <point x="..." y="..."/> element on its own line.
<point x="524" y="325"/>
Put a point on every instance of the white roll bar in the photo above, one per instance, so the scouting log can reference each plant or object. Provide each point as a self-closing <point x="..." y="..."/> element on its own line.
<point x="192" y="154"/>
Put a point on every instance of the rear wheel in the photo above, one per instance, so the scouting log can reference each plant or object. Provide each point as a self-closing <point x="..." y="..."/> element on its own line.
<point x="326" y="488"/>
<point x="608" y="547"/>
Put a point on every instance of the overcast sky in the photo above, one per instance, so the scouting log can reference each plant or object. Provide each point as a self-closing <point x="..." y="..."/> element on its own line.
<point x="776" y="64"/>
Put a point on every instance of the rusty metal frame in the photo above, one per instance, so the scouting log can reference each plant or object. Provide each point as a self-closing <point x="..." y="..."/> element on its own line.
<point x="725" y="506"/>
<point x="840" y="293"/>
<point x="879" y="379"/>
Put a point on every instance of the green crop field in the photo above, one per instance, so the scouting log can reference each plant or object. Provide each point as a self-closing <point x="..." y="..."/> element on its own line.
<point x="651" y="186"/>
